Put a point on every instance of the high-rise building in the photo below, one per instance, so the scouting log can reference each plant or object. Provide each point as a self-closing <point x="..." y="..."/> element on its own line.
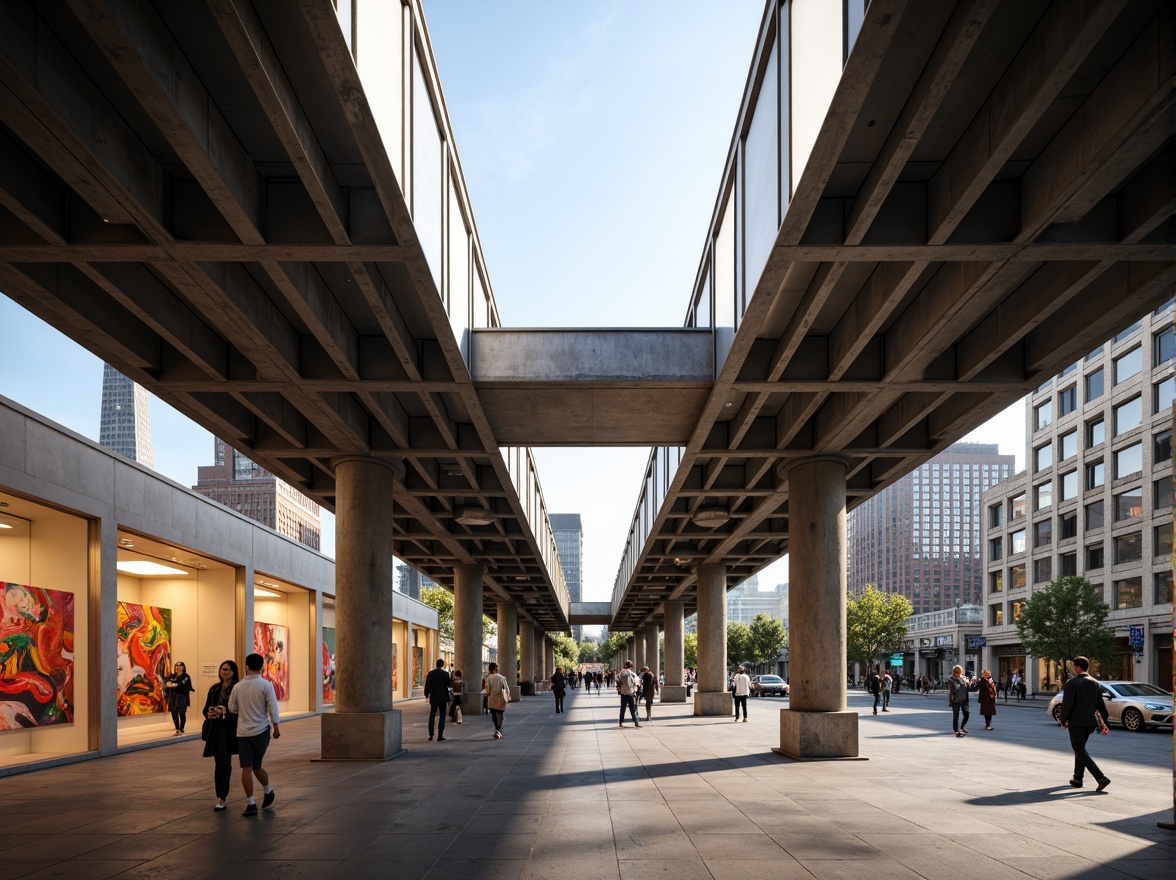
<point x="747" y="600"/>
<point x="921" y="536"/>
<point x="1095" y="500"/>
<point x="125" y="425"/>
<point x="239" y="484"/>
<point x="410" y="581"/>
<point x="569" y="542"/>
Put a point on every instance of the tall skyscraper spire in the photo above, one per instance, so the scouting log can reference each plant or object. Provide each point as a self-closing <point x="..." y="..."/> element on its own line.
<point x="126" y="418"/>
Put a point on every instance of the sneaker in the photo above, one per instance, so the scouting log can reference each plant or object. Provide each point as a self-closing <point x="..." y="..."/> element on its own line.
<point x="250" y="810"/>
<point x="620" y="727"/>
<point x="744" y="720"/>
<point x="430" y="737"/>
<point x="1103" y="783"/>
<point x="219" y="808"/>
<point x="267" y="799"/>
<point x="638" y="726"/>
<point x="440" y="739"/>
<point x="498" y="734"/>
<point x="957" y="733"/>
<point x="964" y="730"/>
<point x="1076" y="782"/>
<point x="988" y="727"/>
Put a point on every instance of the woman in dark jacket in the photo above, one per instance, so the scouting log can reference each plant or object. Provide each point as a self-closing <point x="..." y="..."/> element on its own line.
<point x="987" y="698"/>
<point x="220" y="730"/>
<point x="559" y="683"/>
<point x="177" y="686"/>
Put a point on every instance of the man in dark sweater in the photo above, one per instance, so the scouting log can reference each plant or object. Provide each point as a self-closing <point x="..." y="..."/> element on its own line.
<point x="437" y="692"/>
<point x="1083" y="712"/>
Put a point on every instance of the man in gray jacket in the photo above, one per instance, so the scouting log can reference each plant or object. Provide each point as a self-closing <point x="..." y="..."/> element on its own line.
<point x="1083" y="711"/>
<point x="255" y="704"/>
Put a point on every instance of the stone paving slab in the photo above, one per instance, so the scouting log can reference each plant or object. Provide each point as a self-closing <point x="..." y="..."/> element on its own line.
<point x="572" y="796"/>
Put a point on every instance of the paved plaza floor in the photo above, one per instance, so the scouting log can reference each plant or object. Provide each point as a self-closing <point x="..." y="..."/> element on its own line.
<point x="571" y="796"/>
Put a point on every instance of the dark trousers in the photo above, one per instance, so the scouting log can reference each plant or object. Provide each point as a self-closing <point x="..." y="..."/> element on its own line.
<point x="496" y="716"/>
<point x="1082" y="759"/>
<point x="877" y="701"/>
<point x="885" y="700"/>
<point x="222" y="775"/>
<point x="179" y="718"/>
<point x="628" y="701"/>
<point x="956" y="709"/>
<point x="558" y="703"/>
<point x="740" y="701"/>
<point x="435" y="712"/>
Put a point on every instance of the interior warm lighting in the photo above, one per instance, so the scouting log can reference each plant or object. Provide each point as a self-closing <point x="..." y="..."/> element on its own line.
<point x="146" y="568"/>
<point x="5" y="525"/>
<point x="264" y="593"/>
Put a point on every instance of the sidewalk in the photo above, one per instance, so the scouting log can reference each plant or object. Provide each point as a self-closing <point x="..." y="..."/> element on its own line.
<point x="571" y="796"/>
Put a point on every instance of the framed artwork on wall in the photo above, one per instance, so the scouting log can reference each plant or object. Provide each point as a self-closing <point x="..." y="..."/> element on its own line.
<point x="272" y="641"/>
<point x="36" y="657"/>
<point x="144" y="658"/>
<point x="328" y="664"/>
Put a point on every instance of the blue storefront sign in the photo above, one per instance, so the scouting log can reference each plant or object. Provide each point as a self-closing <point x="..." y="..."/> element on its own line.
<point x="1135" y="638"/>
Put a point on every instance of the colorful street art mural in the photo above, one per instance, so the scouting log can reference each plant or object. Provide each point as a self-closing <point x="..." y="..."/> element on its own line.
<point x="272" y="641"/>
<point x="36" y="657"/>
<point x="144" y="658"/>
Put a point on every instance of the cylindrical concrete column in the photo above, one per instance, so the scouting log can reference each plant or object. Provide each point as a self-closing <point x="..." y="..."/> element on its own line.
<point x="651" y="649"/>
<point x="639" y="648"/>
<point x="712" y="628"/>
<point x="629" y="653"/>
<point x="675" y="643"/>
<point x="364" y="724"/>
<point x="548" y="658"/>
<point x="817" y="723"/>
<point x="467" y="620"/>
<point x="508" y="629"/>
<point x="527" y="656"/>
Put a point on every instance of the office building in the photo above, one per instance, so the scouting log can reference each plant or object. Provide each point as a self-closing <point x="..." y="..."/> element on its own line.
<point x="1096" y="501"/>
<point x="246" y="487"/>
<point x="747" y="600"/>
<point x="921" y="536"/>
<point x="569" y="542"/>
<point x="410" y="581"/>
<point x="125" y="425"/>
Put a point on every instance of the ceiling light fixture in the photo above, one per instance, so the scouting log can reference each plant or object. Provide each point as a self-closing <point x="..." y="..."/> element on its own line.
<point x="710" y="517"/>
<point x="5" y="525"/>
<point x="145" y="568"/>
<point x="474" y="516"/>
<point x="265" y="594"/>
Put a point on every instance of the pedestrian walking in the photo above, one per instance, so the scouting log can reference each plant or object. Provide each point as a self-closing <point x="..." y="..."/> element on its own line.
<point x="439" y="692"/>
<point x="874" y="686"/>
<point x="255" y="704"/>
<point x="957" y="698"/>
<point x="485" y="694"/>
<point x="458" y="690"/>
<point x="742" y="687"/>
<point x="558" y="683"/>
<point x="627" y="685"/>
<point x="986" y="697"/>
<point x="177" y="687"/>
<point x="887" y="684"/>
<point x="1017" y="685"/>
<point x="1083" y="711"/>
<point x="219" y="731"/>
<point x="649" y="687"/>
<point x="497" y="697"/>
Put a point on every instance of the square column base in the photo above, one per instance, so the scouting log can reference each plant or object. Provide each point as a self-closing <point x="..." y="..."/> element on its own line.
<point x="818" y="734"/>
<point x="713" y="703"/>
<point x="673" y="693"/>
<point x="361" y="736"/>
<point x="526" y="689"/>
<point x="516" y="693"/>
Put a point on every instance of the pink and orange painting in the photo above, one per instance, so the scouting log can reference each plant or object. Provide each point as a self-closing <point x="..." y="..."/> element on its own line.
<point x="36" y="657"/>
<point x="272" y="641"/>
<point x="144" y="658"/>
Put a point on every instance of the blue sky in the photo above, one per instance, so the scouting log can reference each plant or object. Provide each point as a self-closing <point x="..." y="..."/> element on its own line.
<point x="592" y="137"/>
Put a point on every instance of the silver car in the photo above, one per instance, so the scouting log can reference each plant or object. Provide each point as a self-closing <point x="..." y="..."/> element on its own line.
<point x="1136" y="705"/>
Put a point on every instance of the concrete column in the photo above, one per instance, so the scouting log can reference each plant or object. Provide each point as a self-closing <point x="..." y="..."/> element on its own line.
<point x="816" y="724"/>
<point x="651" y="648"/>
<point x="548" y="658"/>
<point x="467" y="629"/>
<point x="674" y="690"/>
<point x="508" y="629"/>
<point x="639" y="648"/>
<point x="712" y="696"/>
<point x="629" y="653"/>
<point x="527" y="658"/>
<point x="364" y="725"/>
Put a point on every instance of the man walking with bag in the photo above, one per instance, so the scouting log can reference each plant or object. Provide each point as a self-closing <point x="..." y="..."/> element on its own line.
<point x="627" y="688"/>
<point x="1083" y="711"/>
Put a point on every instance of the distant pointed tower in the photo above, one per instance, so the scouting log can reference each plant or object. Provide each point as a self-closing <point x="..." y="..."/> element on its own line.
<point x="126" y="418"/>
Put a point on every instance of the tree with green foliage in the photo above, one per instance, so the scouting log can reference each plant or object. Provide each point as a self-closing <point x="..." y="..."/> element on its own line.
<point x="738" y="644"/>
<point x="613" y="646"/>
<point x="768" y="638"/>
<point x="874" y="624"/>
<point x="690" y="650"/>
<point x="441" y="600"/>
<point x="589" y="652"/>
<point x="1065" y="620"/>
<point x="566" y="650"/>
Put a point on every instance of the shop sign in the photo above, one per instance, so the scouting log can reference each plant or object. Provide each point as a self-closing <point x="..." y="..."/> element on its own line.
<point x="929" y="652"/>
<point x="943" y="641"/>
<point x="896" y="659"/>
<point x="924" y="643"/>
<point x="976" y="642"/>
<point x="1135" y="639"/>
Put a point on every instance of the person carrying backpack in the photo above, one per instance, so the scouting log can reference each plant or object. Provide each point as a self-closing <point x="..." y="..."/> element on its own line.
<point x="874" y="686"/>
<point x="627" y="687"/>
<point x="887" y="684"/>
<point x="957" y="697"/>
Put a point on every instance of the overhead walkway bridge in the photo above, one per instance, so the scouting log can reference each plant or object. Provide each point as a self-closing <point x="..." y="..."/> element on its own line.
<point x="257" y="211"/>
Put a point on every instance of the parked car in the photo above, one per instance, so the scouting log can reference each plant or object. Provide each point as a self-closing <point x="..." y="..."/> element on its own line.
<point x="1136" y="705"/>
<point x="769" y="686"/>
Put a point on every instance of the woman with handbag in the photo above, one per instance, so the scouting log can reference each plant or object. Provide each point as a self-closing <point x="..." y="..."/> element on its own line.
<point x="559" y="683"/>
<point x="455" y="704"/>
<point x="219" y="731"/>
<point x="497" y="696"/>
<point x="986" y="695"/>
<point x="177" y="686"/>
